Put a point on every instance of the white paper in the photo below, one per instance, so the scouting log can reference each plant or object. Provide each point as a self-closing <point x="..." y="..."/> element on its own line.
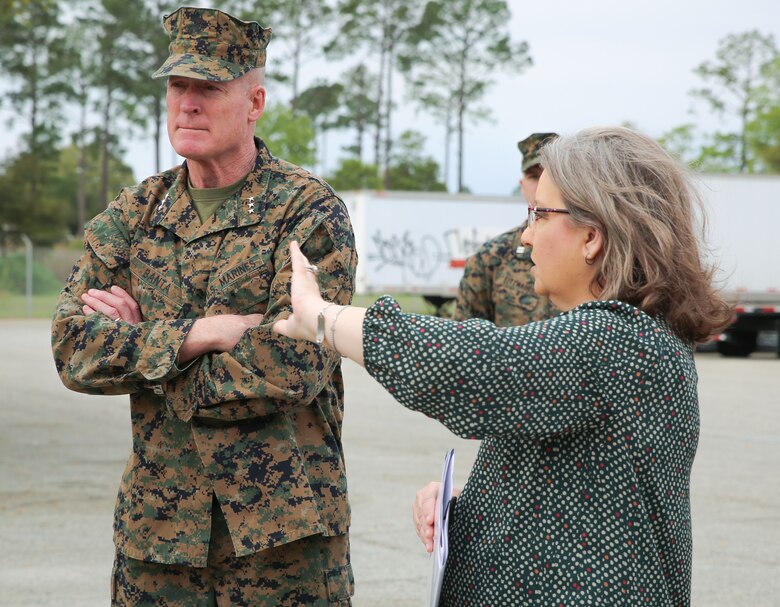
<point x="440" y="527"/>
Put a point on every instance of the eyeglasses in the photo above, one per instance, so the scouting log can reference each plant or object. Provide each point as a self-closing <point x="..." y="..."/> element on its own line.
<point x="532" y="211"/>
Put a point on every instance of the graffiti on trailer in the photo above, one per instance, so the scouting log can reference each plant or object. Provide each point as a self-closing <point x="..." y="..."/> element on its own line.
<point x="463" y="242"/>
<point x="423" y="255"/>
<point x="420" y="257"/>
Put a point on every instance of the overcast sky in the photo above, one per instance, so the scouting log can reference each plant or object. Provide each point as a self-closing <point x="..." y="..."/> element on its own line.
<point x="605" y="62"/>
<point x="595" y="62"/>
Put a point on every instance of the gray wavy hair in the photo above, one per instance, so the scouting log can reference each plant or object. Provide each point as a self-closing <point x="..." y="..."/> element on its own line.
<point x="643" y="202"/>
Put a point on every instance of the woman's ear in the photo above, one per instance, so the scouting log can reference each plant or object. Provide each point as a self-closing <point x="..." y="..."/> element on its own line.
<point x="594" y="244"/>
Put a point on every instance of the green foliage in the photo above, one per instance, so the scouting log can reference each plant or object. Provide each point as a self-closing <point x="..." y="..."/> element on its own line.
<point x="33" y="206"/>
<point x="421" y="176"/>
<point x="680" y="142"/>
<point x="35" y="61"/>
<point x="13" y="275"/>
<point x="742" y="83"/>
<point x="764" y="138"/>
<point x="379" y="30"/>
<point x="49" y="213"/>
<point x="320" y="102"/>
<point x="68" y="170"/>
<point x="358" y="106"/>
<point x="298" y="28"/>
<point x="720" y="154"/>
<point x="354" y="175"/>
<point x="763" y="131"/>
<point x="410" y="170"/>
<point x="709" y="153"/>
<point x="455" y="53"/>
<point x="144" y="102"/>
<point x="735" y="85"/>
<point x="288" y="135"/>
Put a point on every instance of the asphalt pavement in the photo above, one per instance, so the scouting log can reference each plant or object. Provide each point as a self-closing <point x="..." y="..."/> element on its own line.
<point x="62" y="454"/>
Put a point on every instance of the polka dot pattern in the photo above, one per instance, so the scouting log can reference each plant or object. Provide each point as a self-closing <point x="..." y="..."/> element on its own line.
<point x="589" y="424"/>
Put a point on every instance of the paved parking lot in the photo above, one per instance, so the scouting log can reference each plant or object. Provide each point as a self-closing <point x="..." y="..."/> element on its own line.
<point x="61" y="456"/>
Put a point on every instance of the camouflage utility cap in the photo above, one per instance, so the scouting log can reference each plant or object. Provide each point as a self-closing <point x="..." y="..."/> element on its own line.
<point x="531" y="146"/>
<point x="208" y="44"/>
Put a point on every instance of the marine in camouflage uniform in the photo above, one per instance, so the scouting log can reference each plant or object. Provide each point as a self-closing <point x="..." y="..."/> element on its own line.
<point x="235" y="491"/>
<point x="497" y="283"/>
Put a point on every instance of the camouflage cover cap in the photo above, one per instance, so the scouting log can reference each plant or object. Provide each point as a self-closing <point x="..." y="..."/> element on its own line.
<point x="530" y="146"/>
<point x="208" y="44"/>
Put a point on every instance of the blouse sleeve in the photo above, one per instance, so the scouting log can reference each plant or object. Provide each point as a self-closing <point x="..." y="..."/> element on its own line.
<point x="538" y="380"/>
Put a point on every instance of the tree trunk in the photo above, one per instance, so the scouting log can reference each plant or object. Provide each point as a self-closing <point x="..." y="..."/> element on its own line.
<point x="297" y="49"/>
<point x="104" y="145"/>
<point x="743" y="138"/>
<point x="388" y="113"/>
<point x="461" y="113"/>
<point x="157" y="133"/>
<point x="378" y="118"/>
<point x="359" y="141"/>
<point x="36" y="176"/>
<point x="447" y="143"/>
<point x="81" y="198"/>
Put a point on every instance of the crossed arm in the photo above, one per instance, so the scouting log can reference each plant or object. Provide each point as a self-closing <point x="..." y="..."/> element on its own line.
<point x="218" y="333"/>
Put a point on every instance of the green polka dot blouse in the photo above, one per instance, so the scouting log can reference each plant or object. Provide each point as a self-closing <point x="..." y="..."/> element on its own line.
<point x="589" y="423"/>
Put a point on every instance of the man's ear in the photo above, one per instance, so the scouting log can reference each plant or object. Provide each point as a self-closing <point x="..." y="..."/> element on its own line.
<point x="257" y="97"/>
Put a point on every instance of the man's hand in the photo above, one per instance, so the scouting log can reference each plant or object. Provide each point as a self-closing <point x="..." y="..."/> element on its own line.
<point x="216" y="334"/>
<point x="211" y="334"/>
<point x="116" y="303"/>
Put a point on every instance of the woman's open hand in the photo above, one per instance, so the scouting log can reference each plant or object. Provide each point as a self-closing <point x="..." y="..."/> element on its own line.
<point x="305" y="297"/>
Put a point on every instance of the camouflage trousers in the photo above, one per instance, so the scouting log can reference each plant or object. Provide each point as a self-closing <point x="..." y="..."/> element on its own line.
<point x="312" y="571"/>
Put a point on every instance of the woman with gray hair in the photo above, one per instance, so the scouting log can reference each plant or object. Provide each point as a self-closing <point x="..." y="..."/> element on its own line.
<point x="589" y="421"/>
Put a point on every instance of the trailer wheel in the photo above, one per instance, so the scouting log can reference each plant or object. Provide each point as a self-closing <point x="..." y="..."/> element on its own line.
<point x="438" y="302"/>
<point x="738" y="344"/>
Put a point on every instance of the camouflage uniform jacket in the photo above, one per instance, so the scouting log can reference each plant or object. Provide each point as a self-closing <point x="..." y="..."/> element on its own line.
<point x="497" y="284"/>
<point x="259" y="426"/>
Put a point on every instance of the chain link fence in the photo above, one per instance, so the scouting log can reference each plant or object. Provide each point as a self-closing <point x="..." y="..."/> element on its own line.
<point x="29" y="286"/>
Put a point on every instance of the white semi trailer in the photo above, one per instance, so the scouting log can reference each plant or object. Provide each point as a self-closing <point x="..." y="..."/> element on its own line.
<point x="744" y="222"/>
<point x="412" y="242"/>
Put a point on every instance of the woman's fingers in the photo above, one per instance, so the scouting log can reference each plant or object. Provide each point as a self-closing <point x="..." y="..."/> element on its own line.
<point x="305" y="299"/>
<point x="423" y="510"/>
<point x="305" y="280"/>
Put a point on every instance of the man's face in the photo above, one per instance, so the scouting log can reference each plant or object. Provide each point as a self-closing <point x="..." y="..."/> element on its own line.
<point x="210" y="121"/>
<point x="529" y="182"/>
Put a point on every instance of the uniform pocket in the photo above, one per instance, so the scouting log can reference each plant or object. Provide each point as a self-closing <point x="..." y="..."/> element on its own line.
<point x="243" y="289"/>
<point x="341" y="585"/>
<point x="114" y="575"/>
<point x="157" y="295"/>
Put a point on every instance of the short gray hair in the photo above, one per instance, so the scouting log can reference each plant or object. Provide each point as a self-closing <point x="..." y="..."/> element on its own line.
<point x="254" y="77"/>
<point x="643" y="202"/>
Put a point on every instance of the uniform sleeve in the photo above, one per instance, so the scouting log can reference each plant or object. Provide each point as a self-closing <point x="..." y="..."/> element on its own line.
<point x="539" y="380"/>
<point x="474" y="292"/>
<point x="95" y="354"/>
<point x="265" y="372"/>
